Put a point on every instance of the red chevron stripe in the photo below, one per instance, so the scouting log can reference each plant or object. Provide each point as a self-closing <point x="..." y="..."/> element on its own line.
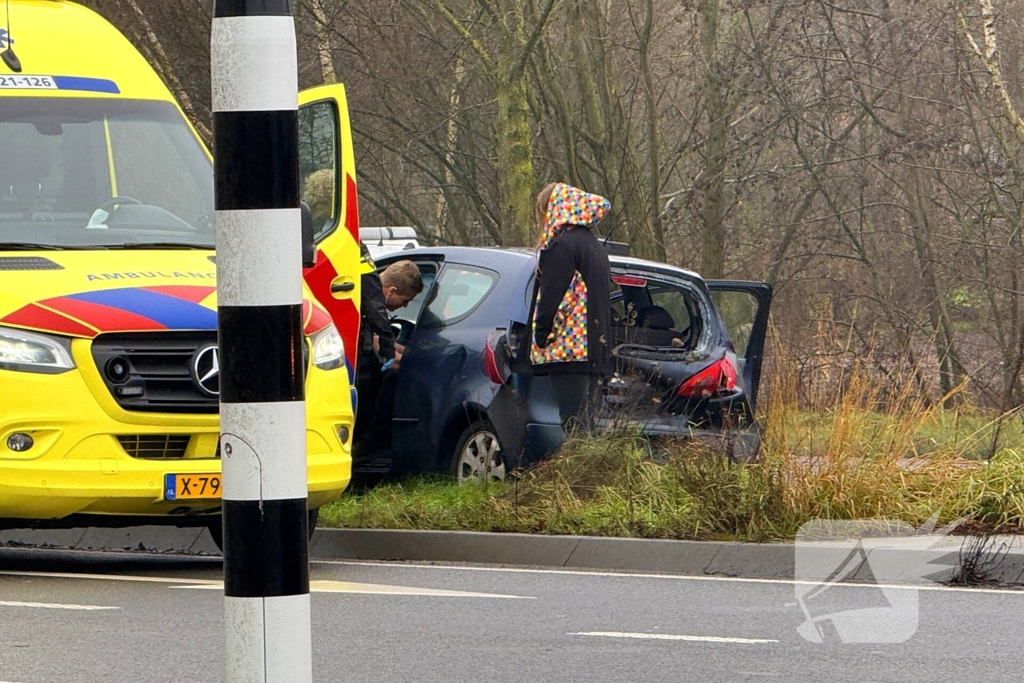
<point x="351" y="208"/>
<point x="314" y="318"/>
<point x="36" y="317"/>
<point x="103" y="318"/>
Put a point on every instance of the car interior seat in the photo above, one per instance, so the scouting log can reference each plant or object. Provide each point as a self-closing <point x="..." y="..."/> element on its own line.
<point x="656" y="327"/>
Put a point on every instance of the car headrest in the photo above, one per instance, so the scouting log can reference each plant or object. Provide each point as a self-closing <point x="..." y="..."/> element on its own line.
<point x="656" y="318"/>
<point x="22" y="169"/>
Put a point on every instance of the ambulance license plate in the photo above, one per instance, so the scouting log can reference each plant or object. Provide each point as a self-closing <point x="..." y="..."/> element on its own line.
<point x="191" y="486"/>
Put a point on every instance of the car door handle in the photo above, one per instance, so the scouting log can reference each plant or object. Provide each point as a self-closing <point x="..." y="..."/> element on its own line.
<point x="340" y="287"/>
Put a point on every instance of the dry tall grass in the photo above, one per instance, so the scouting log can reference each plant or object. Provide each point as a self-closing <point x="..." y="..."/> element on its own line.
<point x="869" y="454"/>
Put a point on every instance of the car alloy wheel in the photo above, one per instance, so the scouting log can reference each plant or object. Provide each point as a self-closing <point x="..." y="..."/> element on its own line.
<point x="479" y="456"/>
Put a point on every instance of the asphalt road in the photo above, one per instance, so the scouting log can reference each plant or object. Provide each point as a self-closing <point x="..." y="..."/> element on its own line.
<point x="112" y="618"/>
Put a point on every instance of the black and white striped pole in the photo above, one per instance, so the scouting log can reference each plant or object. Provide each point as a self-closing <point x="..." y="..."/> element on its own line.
<point x="262" y="398"/>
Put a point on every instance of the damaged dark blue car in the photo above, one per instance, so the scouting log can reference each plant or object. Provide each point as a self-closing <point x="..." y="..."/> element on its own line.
<point x="688" y="357"/>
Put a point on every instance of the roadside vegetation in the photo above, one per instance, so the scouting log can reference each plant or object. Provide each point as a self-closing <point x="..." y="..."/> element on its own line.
<point x="861" y="457"/>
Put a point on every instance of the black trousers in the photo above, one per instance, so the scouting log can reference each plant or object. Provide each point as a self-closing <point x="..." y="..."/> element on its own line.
<point x="376" y="392"/>
<point x="579" y="396"/>
<point x="368" y="379"/>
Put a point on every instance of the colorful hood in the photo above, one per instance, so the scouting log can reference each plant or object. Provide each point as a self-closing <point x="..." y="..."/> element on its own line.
<point x="73" y="294"/>
<point x="571" y="206"/>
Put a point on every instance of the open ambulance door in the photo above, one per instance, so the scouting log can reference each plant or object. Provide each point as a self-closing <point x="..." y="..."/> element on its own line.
<point x="327" y="184"/>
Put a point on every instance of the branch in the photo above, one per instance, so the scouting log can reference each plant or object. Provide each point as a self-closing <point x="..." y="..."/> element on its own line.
<point x="489" y="9"/>
<point x="165" y="68"/>
<point x="538" y="31"/>
<point x="461" y="29"/>
<point x="990" y="58"/>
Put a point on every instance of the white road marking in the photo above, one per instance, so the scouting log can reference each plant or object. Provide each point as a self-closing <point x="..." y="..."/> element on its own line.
<point x="667" y="636"/>
<point x="378" y="589"/>
<point x="108" y="577"/>
<point x="320" y="586"/>
<point x="53" y="605"/>
<point x="672" y="577"/>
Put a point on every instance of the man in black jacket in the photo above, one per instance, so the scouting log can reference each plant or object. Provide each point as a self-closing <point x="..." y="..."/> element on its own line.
<point x="379" y="354"/>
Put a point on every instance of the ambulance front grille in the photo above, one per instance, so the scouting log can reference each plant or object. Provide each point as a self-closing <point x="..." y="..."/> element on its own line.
<point x="154" y="446"/>
<point x="153" y="371"/>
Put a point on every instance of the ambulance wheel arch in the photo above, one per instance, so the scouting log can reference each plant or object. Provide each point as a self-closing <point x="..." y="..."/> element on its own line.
<point x="327" y="176"/>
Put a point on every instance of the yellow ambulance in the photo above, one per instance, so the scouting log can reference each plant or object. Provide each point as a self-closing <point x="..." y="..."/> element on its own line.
<point x="108" y="327"/>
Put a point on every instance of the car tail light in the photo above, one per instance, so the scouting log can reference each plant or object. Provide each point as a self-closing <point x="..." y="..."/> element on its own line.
<point x="717" y="378"/>
<point x="491" y="362"/>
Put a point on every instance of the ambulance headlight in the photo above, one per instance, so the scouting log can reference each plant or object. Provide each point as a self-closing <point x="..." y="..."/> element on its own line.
<point x="34" y="352"/>
<point x="328" y="348"/>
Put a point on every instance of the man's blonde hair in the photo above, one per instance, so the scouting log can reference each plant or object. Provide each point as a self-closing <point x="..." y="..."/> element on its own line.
<point x="404" y="276"/>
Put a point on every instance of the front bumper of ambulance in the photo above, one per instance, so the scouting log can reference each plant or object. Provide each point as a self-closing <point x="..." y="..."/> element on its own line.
<point x="82" y="441"/>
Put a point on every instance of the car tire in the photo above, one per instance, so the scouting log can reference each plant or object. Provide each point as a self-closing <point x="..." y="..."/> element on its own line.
<point x="478" y="455"/>
<point x="217" y="529"/>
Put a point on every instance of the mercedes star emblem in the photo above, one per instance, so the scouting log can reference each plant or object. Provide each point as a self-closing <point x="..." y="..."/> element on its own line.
<point x="206" y="370"/>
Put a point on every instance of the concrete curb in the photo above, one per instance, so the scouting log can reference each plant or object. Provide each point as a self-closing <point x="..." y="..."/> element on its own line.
<point x="1003" y="562"/>
<point x="160" y="539"/>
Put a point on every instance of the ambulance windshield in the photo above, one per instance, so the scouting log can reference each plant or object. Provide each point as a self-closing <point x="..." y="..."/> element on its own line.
<point x="90" y="173"/>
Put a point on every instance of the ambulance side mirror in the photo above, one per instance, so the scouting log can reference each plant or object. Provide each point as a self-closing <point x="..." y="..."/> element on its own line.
<point x="308" y="242"/>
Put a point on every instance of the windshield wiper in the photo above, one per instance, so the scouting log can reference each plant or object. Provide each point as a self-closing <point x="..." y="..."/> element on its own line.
<point x="33" y="246"/>
<point x="161" y="245"/>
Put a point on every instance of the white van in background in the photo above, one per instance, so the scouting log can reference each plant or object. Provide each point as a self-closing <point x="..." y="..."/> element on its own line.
<point x="382" y="241"/>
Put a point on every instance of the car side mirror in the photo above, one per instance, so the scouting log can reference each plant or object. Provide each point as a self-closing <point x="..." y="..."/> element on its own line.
<point x="308" y="243"/>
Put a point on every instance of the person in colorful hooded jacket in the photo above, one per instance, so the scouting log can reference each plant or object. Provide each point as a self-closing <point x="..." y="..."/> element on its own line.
<point x="572" y="302"/>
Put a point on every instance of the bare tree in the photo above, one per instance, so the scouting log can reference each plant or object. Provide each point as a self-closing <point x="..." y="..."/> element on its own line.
<point x="865" y="157"/>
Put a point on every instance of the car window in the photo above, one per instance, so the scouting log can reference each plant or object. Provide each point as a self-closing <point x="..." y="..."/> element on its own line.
<point x="629" y="295"/>
<point x="428" y="272"/>
<point x="672" y="300"/>
<point x="618" y="304"/>
<point x="134" y="144"/>
<point x="738" y="310"/>
<point x="654" y="313"/>
<point x="459" y="290"/>
<point x="318" y="165"/>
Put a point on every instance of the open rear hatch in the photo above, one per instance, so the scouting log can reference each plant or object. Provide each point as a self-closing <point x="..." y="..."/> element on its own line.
<point x="674" y="358"/>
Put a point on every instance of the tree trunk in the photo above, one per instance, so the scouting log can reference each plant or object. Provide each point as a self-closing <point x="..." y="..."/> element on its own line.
<point x="653" y="150"/>
<point x="712" y="262"/>
<point x="514" y="159"/>
<point x="950" y="368"/>
<point x="444" y="208"/>
<point x="323" y="44"/>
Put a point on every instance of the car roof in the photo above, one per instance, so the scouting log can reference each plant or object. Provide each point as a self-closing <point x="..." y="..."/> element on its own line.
<point x="517" y="256"/>
<point x="387" y="233"/>
<point x="488" y="257"/>
<point x="668" y="269"/>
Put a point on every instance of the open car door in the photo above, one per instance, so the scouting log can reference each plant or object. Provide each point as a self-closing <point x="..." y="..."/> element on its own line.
<point x="744" y="307"/>
<point x="327" y="177"/>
